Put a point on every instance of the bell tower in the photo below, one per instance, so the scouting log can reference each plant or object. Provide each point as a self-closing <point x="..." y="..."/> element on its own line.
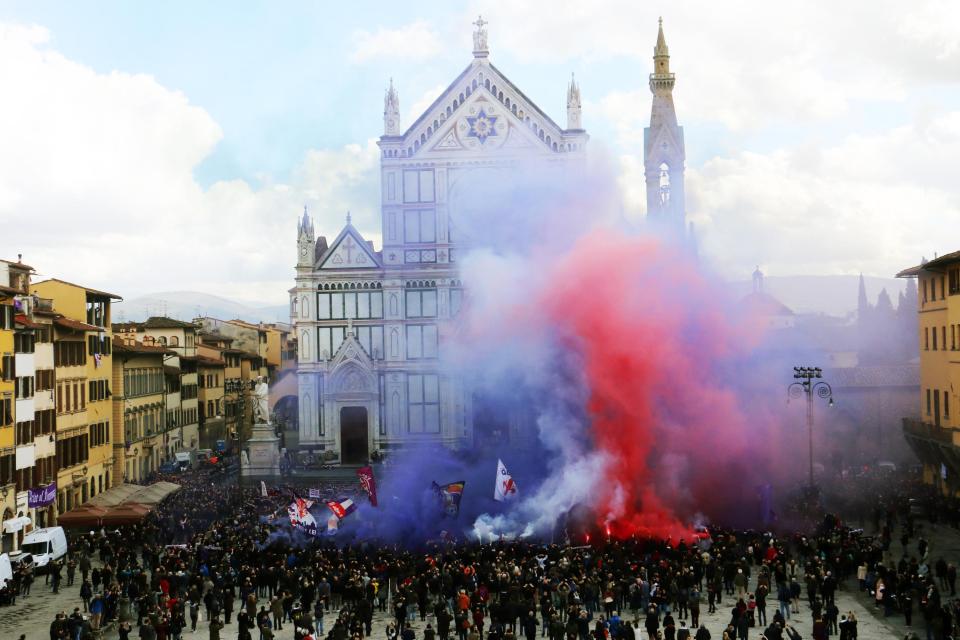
<point x="391" y="112"/>
<point x="664" y="154"/>
<point x="574" y="110"/>
<point x="305" y="241"/>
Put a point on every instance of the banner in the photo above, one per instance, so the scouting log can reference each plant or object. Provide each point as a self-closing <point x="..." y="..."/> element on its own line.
<point x="369" y="483"/>
<point x="505" y="488"/>
<point x="301" y="518"/>
<point x="263" y="489"/>
<point x="315" y="493"/>
<point x="42" y="496"/>
<point x="449" y="496"/>
<point x="343" y="508"/>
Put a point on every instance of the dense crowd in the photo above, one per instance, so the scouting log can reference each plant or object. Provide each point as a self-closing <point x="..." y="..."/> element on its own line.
<point x="211" y="553"/>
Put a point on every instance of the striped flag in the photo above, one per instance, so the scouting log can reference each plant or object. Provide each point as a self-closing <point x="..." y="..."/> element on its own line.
<point x="343" y="508"/>
<point x="505" y="488"/>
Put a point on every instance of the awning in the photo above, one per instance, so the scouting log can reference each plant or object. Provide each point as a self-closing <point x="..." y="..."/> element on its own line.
<point x="86" y="515"/>
<point x="15" y="524"/>
<point x="127" y="513"/>
<point x="124" y="493"/>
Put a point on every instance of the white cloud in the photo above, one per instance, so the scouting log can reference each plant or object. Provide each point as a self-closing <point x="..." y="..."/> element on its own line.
<point x="97" y="186"/>
<point x="426" y="99"/>
<point x="872" y="204"/>
<point x="414" y="41"/>
<point x="744" y="63"/>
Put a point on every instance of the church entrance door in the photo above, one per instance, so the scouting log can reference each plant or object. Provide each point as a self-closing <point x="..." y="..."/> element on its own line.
<point x="353" y="435"/>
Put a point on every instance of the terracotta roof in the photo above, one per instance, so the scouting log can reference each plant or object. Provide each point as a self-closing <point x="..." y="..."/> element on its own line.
<point x="75" y="325"/>
<point x="18" y="264"/>
<point x="120" y="347"/>
<point x="244" y="323"/>
<point x="160" y="322"/>
<point x="204" y="361"/>
<point x="22" y="319"/>
<point x="931" y="265"/>
<point x="11" y="290"/>
<point x="80" y="286"/>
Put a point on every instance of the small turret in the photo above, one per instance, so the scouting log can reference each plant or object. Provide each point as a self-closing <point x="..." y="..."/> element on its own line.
<point x="305" y="240"/>
<point x="574" y="111"/>
<point x="391" y="112"/>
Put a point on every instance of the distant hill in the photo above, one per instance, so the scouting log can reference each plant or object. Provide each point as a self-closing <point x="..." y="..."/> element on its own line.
<point x="830" y="295"/>
<point x="187" y="305"/>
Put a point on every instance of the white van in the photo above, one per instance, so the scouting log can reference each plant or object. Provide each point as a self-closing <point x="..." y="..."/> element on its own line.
<point x="46" y="545"/>
<point x="6" y="570"/>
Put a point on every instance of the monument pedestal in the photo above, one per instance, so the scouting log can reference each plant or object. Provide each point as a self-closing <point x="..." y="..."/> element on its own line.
<point x="262" y="457"/>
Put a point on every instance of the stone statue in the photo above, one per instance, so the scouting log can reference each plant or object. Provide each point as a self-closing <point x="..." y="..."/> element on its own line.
<point x="261" y="408"/>
<point x="480" y="35"/>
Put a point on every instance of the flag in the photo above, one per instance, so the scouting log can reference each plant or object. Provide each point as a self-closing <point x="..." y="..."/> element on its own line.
<point x="505" y="488"/>
<point x="342" y="508"/>
<point x="333" y="523"/>
<point x="369" y="483"/>
<point x="263" y="489"/>
<point x="449" y="496"/>
<point x="300" y="516"/>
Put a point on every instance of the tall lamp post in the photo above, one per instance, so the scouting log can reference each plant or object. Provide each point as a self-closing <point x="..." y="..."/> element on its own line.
<point x="810" y="382"/>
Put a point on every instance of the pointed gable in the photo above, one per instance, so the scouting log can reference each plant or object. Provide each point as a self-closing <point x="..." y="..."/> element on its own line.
<point x="348" y="251"/>
<point x="479" y="111"/>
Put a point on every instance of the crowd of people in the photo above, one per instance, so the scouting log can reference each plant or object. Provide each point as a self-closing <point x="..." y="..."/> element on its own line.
<point x="212" y="554"/>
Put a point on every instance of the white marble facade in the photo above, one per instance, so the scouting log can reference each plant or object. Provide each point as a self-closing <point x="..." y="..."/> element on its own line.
<point x="371" y="325"/>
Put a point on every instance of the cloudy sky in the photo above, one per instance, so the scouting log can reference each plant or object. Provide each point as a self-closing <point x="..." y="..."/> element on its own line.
<point x="170" y="146"/>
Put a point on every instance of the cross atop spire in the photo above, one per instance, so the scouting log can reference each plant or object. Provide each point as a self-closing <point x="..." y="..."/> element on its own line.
<point x="480" y="49"/>
<point x="348" y="217"/>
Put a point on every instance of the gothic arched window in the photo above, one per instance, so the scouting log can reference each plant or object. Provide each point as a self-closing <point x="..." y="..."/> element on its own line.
<point x="664" y="183"/>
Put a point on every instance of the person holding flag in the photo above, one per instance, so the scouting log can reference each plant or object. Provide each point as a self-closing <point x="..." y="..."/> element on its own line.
<point x="504" y="488"/>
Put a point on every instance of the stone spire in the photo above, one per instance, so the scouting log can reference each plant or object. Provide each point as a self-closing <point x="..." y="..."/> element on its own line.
<point x="306" y="240"/>
<point x="480" y="48"/>
<point x="391" y="112"/>
<point x="574" y="110"/>
<point x="664" y="152"/>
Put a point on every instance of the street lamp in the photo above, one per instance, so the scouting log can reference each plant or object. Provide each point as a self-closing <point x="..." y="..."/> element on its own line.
<point x="810" y="384"/>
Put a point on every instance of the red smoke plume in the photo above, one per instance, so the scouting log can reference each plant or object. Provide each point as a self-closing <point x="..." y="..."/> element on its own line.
<point x="654" y="339"/>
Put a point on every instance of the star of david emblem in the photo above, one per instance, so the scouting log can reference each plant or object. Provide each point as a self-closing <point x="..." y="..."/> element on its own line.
<point x="482" y="126"/>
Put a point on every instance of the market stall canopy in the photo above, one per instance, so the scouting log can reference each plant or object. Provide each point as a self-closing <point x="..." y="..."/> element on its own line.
<point x="123" y="493"/>
<point x="86" y="515"/>
<point x="126" y="513"/>
<point x="155" y="493"/>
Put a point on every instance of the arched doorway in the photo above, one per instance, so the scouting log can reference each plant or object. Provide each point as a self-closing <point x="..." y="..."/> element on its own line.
<point x="353" y="435"/>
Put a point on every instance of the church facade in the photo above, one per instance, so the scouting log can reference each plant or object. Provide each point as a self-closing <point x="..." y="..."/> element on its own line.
<point x="371" y="325"/>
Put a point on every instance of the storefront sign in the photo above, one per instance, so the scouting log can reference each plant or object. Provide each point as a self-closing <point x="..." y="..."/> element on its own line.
<point x="42" y="496"/>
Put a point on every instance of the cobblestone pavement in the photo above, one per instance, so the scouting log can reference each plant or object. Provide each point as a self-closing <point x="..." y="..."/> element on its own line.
<point x="32" y="615"/>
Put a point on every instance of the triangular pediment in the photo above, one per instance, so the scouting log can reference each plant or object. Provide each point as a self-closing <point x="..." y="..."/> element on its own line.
<point x="483" y="124"/>
<point x="663" y="145"/>
<point x="351" y="370"/>
<point x="509" y="119"/>
<point x="348" y="251"/>
<point x="351" y="350"/>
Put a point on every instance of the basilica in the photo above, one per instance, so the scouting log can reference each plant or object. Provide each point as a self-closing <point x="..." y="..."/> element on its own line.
<point x="371" y="324"/>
